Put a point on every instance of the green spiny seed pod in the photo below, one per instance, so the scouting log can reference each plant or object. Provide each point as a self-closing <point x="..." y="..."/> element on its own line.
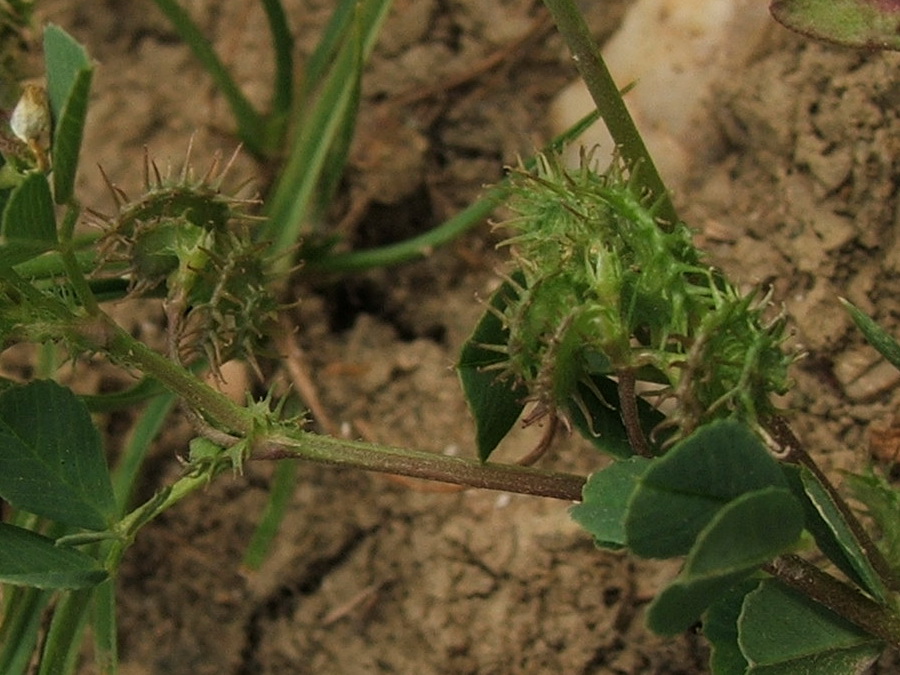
<point x="607" y="290"/>
<point x="164" y="246"/>
<point x="734" y="362"/>
<point x="186" y="234"/>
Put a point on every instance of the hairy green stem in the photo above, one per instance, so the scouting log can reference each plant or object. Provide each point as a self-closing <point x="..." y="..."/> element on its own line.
<point x="103" y="334"/>
<point x="418" y="464"/>
<point x="839" y="597"/>
<point x="157" y="504"/>
<point x="606" y="95"/>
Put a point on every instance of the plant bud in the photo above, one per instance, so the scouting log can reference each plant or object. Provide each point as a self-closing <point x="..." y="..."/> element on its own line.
<point x="30" y="121"/>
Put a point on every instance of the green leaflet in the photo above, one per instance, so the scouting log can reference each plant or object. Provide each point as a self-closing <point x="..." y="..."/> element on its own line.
<point x="495" y="403"/>
<point x="807" y="639"/>
<point x="685" y="489"/>
<point x="28" y="226"/>
<point x="720" y="628"/>
<point x="69" y="73"/>
<point x="606" y="497"/>
<point x="854" y="23"/>
<point x="832" y="533"/>
<point x="744" y="534"/>
<point x="882" y="501"/>
<point x="30" y="559"/>
<point x="51" y="460"/>
<point x="29" y="215"/>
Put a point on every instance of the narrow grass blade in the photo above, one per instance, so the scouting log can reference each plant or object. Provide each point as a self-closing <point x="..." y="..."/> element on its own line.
<point x="63" y="642"/>
<point x="877" y="336"/>
<point x="292" y="197"/>
<point x="103" y="626"/>
<point x="23" y="610"/>
<point x="422" y="245"/>
<point x="327" y="47"/>
<point x="280" y="492"/>
<point x="250" y="123"/>
<point x="283" y="47"/>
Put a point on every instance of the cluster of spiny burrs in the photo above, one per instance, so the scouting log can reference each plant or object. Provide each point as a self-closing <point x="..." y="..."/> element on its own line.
<point x="185" y="236"/>
<point x="603" y="289"/>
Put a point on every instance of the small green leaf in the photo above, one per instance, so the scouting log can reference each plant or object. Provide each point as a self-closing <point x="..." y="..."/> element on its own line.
<point x="872" y="24"/>
<point x="67" y="139"/>
<point x="14" y="252"/>
<point x="720" y="628"/>
<point x="28" y="226"/>
<point x="816" y="525"/>
<point x="680" y="605"/>
<point x="683" y="490"/>
<point x="853" y="554"/>
<point x="69" y="73"/>
<point x="29" y="216"/>
<point x="31" y="559"/>
<point x="744" y="534"/>
<point x="782" y="632"/>
<point x="65" y="58"/>
<point x="879" y="338"/>
<point x="605" y="498"/>
<point x="749" y="531"/>
<point x="495" y="405"/>
<point x="882" y="501"/>
<point x="51" y="459"/>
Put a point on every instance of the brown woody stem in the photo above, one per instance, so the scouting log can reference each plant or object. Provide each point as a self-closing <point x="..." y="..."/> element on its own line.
<point x="793" y="452"/>
<point x="629" y="412"/>
<point x="839" y="597"/>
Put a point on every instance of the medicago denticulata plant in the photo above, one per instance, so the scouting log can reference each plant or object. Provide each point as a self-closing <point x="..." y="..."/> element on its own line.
<point x="610" y="318"/>
<point x="609" y="321"/>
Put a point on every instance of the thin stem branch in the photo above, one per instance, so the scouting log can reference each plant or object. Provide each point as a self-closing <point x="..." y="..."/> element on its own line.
<point x="793" y="452"/>
<point x="418" y="464"/>
<point x="283" y="442"/>
<point x="608" y="99"/>
<point x="839" y="597"/>
<point x="628" y="410"/>
<point x="103" y="334"/>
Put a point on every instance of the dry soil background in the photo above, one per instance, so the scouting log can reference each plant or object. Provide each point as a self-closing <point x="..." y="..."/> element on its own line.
<point x="373" y="577"/>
